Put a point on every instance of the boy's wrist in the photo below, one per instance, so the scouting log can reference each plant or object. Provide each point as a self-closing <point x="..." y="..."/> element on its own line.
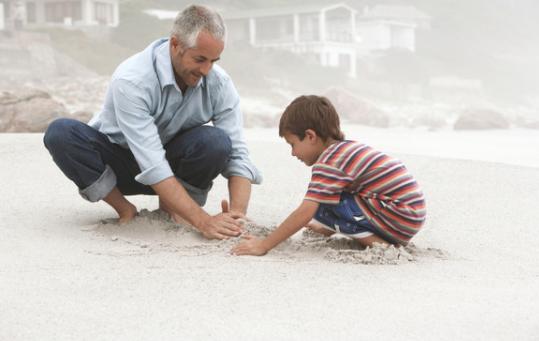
<point x="265" y="245"/>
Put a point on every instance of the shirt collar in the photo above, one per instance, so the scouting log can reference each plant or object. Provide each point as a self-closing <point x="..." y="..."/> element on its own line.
<point x="163" y="66"/>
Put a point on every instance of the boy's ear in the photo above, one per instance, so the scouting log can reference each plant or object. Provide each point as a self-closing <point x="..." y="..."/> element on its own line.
<point x="310" y="134"/>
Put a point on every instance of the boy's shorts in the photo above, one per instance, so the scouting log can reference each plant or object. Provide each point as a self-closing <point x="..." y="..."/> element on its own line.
<point x="346" y="217"/>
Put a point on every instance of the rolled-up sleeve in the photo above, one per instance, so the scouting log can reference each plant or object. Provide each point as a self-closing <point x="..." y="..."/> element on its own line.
<point x="228" y="117"/>
<point x="132" y="108"/>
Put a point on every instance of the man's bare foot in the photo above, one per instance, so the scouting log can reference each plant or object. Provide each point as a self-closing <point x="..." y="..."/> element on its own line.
<point x="317" y="227"/>
<point x="128" y="214"/>
<point x="126" y="210"/>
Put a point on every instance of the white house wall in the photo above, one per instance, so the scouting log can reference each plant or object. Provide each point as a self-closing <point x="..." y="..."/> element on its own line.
<point x="403" y="37"/>
<point x="86" y="16"/>
<point x="90" y="17"/>
<point x="375" y="36"/>
<point x="308" y="27"/>
<point x="2" y="17"/>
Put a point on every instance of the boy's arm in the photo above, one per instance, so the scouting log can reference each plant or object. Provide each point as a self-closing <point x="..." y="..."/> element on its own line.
<point x="295" y="221"/>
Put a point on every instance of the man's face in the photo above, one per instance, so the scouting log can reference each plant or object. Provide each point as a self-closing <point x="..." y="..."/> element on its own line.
<point x="191" y="64"/>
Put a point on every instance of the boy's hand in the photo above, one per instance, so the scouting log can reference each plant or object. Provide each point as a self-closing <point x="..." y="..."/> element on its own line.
<point x="250" y="246"/>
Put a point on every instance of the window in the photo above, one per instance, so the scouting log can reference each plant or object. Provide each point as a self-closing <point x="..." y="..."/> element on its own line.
<point x="104" y="13"/>
<point x="55" y="12"/>
<point x="30" y="12"/>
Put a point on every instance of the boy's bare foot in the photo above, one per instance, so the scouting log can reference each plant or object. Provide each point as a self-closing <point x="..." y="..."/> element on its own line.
<point x="317" y="227"/>
<point x="128" y="214"/>
<point x="371" y="240"/>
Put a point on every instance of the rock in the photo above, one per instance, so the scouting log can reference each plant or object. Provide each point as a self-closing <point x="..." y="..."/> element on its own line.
<point x="480" y="119"/>
<point x="531" y="125"/>
<point x="83" y="116"/>
<point x="28" y="110"/>
<point x="433" y="122"/>
<point x="527" y="122"/>
<point x="355" y="109"/>
<point x="21" y="95"/>
<point x="260" y="120"/>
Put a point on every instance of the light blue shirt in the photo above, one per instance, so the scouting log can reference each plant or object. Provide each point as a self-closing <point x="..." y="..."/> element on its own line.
<point x="144" y="109"/>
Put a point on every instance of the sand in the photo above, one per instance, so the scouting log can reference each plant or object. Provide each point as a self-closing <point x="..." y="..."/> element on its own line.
<point x="68" y="271"/>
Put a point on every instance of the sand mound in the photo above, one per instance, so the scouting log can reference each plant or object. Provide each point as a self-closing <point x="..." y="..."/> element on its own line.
<point x="154" y="231"/>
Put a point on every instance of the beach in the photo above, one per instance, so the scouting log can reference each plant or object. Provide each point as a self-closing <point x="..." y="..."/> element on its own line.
<point x="68" y="271"/>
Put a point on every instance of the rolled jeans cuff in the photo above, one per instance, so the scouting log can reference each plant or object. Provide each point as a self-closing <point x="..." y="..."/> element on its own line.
<point x="101" y="188"/>
<point x="197" y="194"/>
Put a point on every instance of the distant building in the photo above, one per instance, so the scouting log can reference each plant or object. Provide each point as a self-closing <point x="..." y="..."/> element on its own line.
<point x="334" y="34"/>
<point x="39" y="13"/>
<point x="2" y="17"/>
<point x="337" y="34"/>
<point x="384" y="27"/>
<point x="329" y="31"/>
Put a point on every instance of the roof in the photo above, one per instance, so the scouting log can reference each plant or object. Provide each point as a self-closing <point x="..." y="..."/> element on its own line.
<point x="393" y="12"/>
<point x="284" y="10"/>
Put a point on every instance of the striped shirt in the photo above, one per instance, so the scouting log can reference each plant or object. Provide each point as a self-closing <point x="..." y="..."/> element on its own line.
<point x="383" y="188"/>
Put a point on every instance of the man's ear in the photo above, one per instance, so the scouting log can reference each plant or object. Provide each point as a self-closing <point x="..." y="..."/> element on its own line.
<point x="311" y="135"/>
<point x="176" y="44"/>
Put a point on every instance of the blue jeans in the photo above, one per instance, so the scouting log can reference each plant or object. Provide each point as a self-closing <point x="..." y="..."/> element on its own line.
<point x="96" y="165"/>
<point x="346" y="217"/>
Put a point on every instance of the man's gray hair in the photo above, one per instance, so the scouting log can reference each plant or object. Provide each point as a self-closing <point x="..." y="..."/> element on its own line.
<point x="195" y="19"/>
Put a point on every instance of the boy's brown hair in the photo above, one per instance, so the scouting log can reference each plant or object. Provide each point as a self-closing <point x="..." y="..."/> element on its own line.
<point x="311" y="112"/>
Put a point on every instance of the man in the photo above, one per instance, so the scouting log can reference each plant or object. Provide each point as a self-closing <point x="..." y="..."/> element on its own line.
<point x="151" y="137"/>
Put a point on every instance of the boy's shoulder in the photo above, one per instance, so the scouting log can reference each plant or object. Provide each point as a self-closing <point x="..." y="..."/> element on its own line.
<point x="342" y="147"/>
<point x="342" y="152"/>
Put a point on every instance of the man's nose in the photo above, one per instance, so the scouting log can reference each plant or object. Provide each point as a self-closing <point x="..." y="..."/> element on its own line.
<point x="205" y="69"/>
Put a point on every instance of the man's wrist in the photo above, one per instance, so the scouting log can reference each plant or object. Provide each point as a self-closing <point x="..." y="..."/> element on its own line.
<point x="201" y="220"/>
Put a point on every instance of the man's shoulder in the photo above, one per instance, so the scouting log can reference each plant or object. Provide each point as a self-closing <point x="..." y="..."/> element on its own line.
<point x="139" y="69"/>
<point x="218" y="77"/>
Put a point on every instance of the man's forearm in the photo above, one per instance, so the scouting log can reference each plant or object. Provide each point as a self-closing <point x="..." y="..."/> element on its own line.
<point x="176" y="197"/>
<point x="239" y="189"/>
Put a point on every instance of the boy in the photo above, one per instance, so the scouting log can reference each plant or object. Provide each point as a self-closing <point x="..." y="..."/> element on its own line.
<point x="354" y="190"/>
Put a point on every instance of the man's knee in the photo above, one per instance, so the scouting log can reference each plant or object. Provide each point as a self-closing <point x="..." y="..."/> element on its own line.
<point x="57" y="133"/>
<point x="218" y="145"/>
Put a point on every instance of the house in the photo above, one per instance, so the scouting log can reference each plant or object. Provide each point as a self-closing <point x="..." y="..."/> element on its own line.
<point x="326" y="31"/>
<point x="39" y="13"/>
<point x="2" y="17"/>
<point x="337" y="34"/>
<point x="384" y="27"/>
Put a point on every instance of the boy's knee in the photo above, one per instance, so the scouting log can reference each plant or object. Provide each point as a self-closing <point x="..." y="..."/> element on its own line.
<point x="57" y="132"/>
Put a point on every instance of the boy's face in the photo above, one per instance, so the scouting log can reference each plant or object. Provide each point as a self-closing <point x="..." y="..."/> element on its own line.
<point x="307" y="150"/>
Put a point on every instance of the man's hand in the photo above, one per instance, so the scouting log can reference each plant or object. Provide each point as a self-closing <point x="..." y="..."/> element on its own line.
<point x="178" y="201"/>
<point x="250" y="246"/>
<point x="220" y="226"/>
<point x="225" y="208"/>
